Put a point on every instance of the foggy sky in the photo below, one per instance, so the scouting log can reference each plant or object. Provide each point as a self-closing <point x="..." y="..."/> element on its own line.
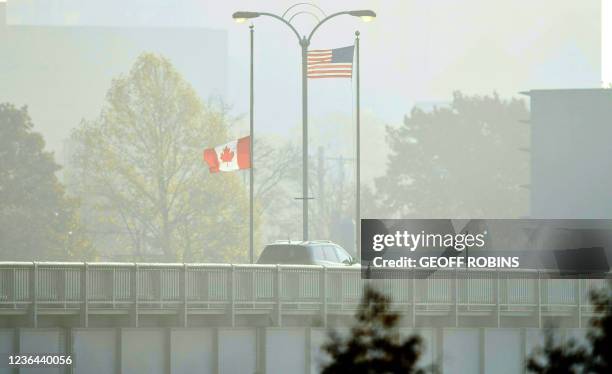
<point x="416" y="51"/>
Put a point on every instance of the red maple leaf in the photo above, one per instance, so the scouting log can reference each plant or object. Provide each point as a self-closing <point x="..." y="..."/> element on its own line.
<point x="227" y="155"/>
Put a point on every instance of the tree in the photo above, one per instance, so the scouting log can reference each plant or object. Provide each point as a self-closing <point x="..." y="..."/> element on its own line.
<point x="141" y="172"/>
<point x="37" y="221"/>
<point x="373" y="346"/>
<point x="277" y="166"/>
<point x="333" y="209"/>
<point x="464" y="160"/>
<point x="557" y="359"/>
<point x="600" y="335"/>
<point x="571" y="357"/>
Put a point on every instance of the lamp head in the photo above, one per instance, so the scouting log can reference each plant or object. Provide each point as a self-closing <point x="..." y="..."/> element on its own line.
<point x="365" y="15"/>
<point x="242" y="17"/>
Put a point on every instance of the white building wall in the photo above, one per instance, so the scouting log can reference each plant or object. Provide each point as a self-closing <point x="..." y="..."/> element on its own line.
<point x="286" y="351"/>
<point x="237" y="351"/>
<point x="95" y="349"/>
<point x="503" y="350"/>
<point x="271" y="350"/>
<point x="7" y="338"/>
<point x="192" y="351"/>
<point x="41" y="341"/>
<point x="461" y="351"/>
<point x="142" y="351"/>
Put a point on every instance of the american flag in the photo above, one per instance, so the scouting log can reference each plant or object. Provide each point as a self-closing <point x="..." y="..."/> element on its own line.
<point x="331" y="63"/>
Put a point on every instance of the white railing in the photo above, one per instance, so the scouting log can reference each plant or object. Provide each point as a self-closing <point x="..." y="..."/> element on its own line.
<point x="224" y="287"/>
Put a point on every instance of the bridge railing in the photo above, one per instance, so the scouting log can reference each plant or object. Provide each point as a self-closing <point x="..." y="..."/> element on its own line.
<point x="215" y="286"/>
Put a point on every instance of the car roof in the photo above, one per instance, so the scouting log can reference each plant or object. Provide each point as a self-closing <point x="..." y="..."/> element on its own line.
<point x="302" y="243"/>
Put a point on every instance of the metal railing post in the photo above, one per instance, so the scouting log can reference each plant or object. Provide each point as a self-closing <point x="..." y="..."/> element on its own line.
<point x="498" y="299"/>
<point x="539" y="300"/>
<point x="113" y="280"/>
<point x="34" y="295"/>
<point x="233" y="297"/>
<point x="413" y="296"/>
<point x="183" y="294"/>
<point x="62" y="292"/>
<point x="278" y="296"/>
<point x="456" y="296"/>
<point x="85" y="295"/>
<point x="579" y="301"/>
<point x="135" y="290"/>
<point x="323" y="295"/>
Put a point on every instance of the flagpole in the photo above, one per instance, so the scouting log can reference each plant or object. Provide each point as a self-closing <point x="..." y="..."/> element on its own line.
<point x="357" y="158"/>
<point x="251" y="148"/>
<point x="304" y="44"/>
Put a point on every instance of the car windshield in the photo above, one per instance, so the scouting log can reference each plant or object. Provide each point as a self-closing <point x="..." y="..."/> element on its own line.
<point x="344" y="257"/>
<point x="284" y="254"/>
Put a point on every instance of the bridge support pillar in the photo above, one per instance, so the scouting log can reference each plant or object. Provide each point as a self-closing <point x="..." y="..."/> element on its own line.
<point x="261" y="350"/>
<point x="216" y="362"/>
<point x="118" y="349"/>
<point x="168" y="350"/>
<point x="481" y="349"/>
<point x="523" y="350"/>
<point x="68" y="347"/>
<point x="16" y="345"/>
<point x="438" y="345"/>
<point x="308" y="350"/>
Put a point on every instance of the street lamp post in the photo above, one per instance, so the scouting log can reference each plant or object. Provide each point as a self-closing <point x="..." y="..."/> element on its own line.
<point x="304" y="42"/>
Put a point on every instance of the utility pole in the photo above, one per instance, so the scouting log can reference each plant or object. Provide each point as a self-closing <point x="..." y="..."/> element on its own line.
<point x="357" y="156"/>
<point x="251" y="170"/>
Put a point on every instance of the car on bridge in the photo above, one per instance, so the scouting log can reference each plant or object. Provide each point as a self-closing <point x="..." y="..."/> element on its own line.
<point x="317" y="252"/>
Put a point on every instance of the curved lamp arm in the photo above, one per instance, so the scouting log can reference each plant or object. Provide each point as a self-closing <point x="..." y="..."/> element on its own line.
<point x="304" y="41"/>
<point x="322" y="22"/>
<point x="354" y="13"/>
<point x="309" y="4"/>
<point x="285" y="22"/>
<point x="305" y="12"/>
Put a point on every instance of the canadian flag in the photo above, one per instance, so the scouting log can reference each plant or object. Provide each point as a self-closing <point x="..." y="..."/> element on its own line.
<point x="232" y="156"/>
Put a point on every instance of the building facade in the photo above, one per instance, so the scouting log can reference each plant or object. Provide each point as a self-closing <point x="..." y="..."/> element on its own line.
<point x="62" y="73"/>
<point x="571" y="167"/>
